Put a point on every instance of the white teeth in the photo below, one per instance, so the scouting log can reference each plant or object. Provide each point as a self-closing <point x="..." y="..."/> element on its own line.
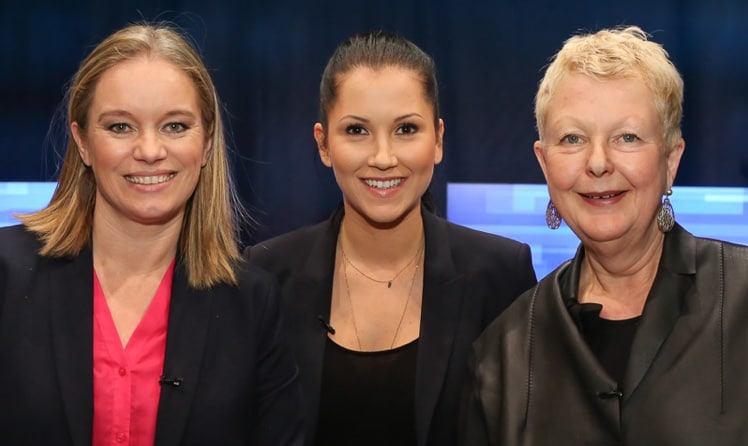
<point x="603" y="197"/>
<point x="386" y="184"/>
<point x="156" y="179"/>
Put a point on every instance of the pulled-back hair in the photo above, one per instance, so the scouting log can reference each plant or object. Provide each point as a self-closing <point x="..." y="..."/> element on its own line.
<point x="618" y="53"/>
<point x="208" y="242"/>
<point x="376" y="50"/>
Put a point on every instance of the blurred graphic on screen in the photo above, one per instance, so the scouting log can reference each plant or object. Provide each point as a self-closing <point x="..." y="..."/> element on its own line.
<point x="518" y="211"/>
<point x="22" y="197"/>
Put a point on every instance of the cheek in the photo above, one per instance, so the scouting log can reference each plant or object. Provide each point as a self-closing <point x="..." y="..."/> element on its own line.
<point x="561" y="175"/>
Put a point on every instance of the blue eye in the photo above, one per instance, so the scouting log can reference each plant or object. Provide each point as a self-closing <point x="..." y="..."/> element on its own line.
<point x="119" y="127"/>
<point x="629" y="137"/>
<point x="572" y="139"/>
<point x="175" y="127"/>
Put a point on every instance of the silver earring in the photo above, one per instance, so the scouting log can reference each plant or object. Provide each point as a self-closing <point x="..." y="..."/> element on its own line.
<point x="665" y="215"/>
<point x="552" y="217"/>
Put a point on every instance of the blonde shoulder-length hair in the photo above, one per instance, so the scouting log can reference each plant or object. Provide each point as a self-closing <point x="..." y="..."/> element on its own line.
<point x="208" y="243"/>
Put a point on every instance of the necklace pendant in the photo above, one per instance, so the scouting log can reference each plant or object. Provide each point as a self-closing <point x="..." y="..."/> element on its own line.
<point x="389" y="284"/>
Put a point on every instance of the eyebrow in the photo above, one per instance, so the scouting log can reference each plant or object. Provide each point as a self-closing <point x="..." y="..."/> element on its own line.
<point x="117" y="113"/>
<point x="397" y="119"/>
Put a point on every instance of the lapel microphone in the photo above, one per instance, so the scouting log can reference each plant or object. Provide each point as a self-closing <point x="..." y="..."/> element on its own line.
<point x="166" y="381"/>
<point x="326" y="324"/>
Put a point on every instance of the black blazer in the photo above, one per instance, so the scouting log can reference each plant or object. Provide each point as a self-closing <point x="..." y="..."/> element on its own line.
<point x="239" y="383"/>
<point x="469" y="278"/>
<point x="536" y="382"/>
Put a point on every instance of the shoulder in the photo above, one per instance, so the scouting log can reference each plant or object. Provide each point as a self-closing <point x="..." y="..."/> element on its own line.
<point x="291" y="249"/>
<point x="17" y="245"/>
<point x="18" y="259"/>
<point x="294" y="240"/>
<point x="533" y="306"/>
<point x="473" y="238"/>
<point x="473" y="247"/>
<point x="16" y="238"/>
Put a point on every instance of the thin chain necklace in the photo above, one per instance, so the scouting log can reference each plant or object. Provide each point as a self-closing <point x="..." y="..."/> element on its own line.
<point x="407" y="299"/>
<point x="388" y="282"/>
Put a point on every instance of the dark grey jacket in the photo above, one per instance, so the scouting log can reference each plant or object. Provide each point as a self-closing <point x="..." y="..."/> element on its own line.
<point x="535" y="381"/>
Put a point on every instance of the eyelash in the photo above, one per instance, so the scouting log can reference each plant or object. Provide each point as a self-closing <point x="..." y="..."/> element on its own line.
<point x="355" y="129"/>
<point x="119" y="127"/>
<point x="568" y="138"/>
<point x="403" y="129"/>
<point x="411" y="128"/>
<point x="122" y="127"/>
<point x="182" y="127"/>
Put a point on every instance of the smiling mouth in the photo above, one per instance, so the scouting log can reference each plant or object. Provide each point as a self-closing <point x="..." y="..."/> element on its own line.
<point x="384" y="184"/>
<point x="602" y="197"/>
<point x="155" y="179"/>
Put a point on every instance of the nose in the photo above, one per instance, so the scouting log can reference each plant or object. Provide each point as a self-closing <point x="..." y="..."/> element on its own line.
<point x="598" y="163"/>
<point x="383" y="157"/>
<point x="149" y="147"/>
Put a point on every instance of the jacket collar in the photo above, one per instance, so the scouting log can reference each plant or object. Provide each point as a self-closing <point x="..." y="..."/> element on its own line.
<point x="442" y="296"/>
<point x="71" y="315"/>
<point x="189" y="318"/>
<point x="671" y="294"/>
<point x="71" y="310"/>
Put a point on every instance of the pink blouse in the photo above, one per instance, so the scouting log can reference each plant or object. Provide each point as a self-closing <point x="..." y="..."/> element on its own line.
<point x="126" y="379"/>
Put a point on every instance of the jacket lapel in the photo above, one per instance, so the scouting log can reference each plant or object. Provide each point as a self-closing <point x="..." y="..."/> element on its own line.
<point x="189" y="318"/>
<point x="670" y="294"/>
<point x="442" y="297"/>
<point x="71" y="317"/>
<point x="309" y="301"/>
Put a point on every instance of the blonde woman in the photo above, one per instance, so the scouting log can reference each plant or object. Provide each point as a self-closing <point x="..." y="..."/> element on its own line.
<point x="640" y="339"/>
<point x="126" y="314"/>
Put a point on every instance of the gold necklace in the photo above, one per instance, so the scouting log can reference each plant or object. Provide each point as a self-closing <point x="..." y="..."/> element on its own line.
<point x="388" y="282"/>
<point x="407" y="299"/>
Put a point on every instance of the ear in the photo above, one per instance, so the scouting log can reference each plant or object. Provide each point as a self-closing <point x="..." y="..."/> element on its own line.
<point x="207" y="151"/>
<point x="673" y="161"/>
<point x="77" y="134"/>
<point x="321" y="138"/>
<point x="439" y="152"/>
<point x="540" y="155"/>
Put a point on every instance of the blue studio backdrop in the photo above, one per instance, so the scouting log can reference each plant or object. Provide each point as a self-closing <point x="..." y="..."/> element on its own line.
<point x="266" y="57"/>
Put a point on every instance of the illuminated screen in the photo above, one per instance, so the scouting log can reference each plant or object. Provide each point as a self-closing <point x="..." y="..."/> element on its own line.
<point x="518" y="211"/>
<point x="21" y="197"/>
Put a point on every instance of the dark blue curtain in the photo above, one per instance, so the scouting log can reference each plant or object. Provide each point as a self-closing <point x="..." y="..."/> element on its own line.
<point x="267" y="56"/>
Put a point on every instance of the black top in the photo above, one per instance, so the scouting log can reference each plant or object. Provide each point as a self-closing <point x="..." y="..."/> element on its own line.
<point x="609" y="340"/>
<point x="367" y="398"/>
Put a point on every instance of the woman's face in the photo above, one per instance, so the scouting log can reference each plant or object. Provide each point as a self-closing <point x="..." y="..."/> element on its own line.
<point x="381" y="143"/>
<point x="144" y="142"/>
<point x="604" y="159"/>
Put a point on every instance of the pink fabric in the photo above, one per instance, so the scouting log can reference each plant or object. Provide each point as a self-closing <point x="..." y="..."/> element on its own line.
<point x="126" y="388"/>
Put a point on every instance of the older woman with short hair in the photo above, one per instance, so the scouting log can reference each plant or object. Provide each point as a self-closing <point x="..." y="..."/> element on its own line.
<point x="640" y="339"/>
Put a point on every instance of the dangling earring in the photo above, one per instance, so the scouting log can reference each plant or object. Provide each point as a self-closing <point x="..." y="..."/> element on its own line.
<point x="552" y="217"/>
<point x="666" y="216"/>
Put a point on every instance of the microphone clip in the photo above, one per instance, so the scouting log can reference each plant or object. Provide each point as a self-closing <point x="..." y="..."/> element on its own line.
<point x="166" y="381"/>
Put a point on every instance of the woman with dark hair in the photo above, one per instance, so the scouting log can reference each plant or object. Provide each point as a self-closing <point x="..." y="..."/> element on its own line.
<point x="384" y="299"/>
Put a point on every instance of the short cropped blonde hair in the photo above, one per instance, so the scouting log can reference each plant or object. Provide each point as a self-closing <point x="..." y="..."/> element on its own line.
<point x="618" y="53"/>
<point x="208" y="243"/>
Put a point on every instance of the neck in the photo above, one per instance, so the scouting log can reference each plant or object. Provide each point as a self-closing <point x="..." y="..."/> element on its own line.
<point x="133" y="249"/>
<point x="384" y="248"/>
<point x="620" y="279"/>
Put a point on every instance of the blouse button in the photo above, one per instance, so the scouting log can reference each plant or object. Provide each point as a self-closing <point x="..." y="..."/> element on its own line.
<point x="121" y="437"/>
<point x="122" y="371"/>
